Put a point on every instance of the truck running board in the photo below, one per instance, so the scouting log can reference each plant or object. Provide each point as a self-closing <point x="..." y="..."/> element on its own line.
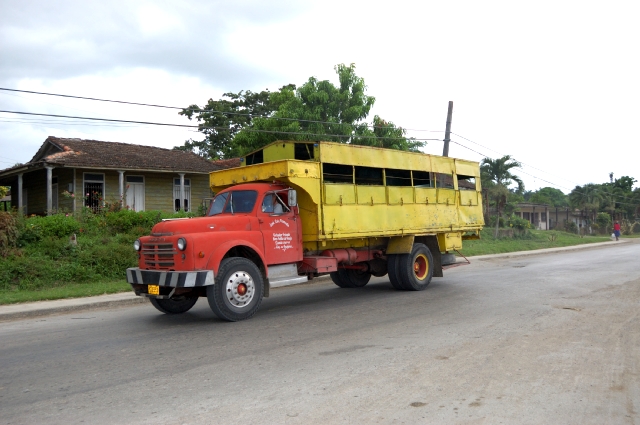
<point x="285" y="274"/>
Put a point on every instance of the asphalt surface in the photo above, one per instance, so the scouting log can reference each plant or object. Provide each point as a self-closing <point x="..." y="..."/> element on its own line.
<point x="544" y="337"/>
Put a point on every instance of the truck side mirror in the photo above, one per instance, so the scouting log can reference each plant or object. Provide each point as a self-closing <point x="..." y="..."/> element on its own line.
<point x="292" y="197"/>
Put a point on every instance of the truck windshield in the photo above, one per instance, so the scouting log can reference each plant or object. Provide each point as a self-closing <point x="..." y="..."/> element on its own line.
<point x="239" y="201"/>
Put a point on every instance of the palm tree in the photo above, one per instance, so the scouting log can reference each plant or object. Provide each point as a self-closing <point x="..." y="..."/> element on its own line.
<point x="586" y="198"/>
<point x="497" y="177"/>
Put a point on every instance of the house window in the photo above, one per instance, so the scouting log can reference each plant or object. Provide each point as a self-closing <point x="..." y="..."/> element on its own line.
<point x="187" y="194"/>
<point x="93" y="191"/>
<point x="135" y="193"/>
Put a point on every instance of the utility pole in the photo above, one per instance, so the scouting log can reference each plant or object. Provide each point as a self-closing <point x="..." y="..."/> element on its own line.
<point x="447" y="133"/>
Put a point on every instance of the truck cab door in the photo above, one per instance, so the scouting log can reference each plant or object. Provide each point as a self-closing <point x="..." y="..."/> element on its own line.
<point x="280" y="231"/>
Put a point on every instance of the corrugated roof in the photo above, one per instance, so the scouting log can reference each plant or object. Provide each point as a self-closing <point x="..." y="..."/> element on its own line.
<point x="100" y="154"/>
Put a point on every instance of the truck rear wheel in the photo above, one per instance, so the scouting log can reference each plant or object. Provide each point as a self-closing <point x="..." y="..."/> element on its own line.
<point x="238" y="290"/>
<point x="339" y="277"/>
<point x="416" y="269"/>
<point x="392" y="270"/>
<point x="173" y="306"/>
<point x="350" y="278"/>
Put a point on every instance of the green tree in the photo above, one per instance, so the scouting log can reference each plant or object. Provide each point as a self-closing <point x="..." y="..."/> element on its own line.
<point x="497" y="177"/>
<point x="586" y="198"/>
<point x="550" y="196"/>
<point x="625" y="183"/>
<point x="317" y="110"/>
<point x="4" y="190"/>
<point x="220" y="120"/>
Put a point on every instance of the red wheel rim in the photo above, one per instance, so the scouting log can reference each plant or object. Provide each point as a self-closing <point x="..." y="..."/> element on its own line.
<point x="421" y="266"/>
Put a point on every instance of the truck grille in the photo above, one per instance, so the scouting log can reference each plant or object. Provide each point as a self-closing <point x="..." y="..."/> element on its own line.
<point x="158" y="255"/>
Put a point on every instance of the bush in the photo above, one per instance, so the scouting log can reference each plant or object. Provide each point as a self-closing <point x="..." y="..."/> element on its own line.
<point x="519" y="223"/>
<point x="635" y="228"/>
<point x="8" y="233"/>
<point x="56" y="225"/>
<point x="603" y="223"/>
<point x="44" y="256"/>
<point x="571" y="227"/>
<point x="124" y="221"/>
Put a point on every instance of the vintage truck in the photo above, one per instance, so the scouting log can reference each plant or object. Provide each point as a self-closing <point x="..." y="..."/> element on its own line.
<point x="297" y="210"/>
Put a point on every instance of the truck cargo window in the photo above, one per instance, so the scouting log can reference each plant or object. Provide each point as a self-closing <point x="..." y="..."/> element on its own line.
<point x="255" y="158"/>
<point x="444" y="181"/>
<point x="466" y="182"/>
<point x="303" y="151"/>
<point x="422" y="179"/>
<point x="369" y="176"/>
<point x="337" y="173"/>
<point x="398" y="177"/>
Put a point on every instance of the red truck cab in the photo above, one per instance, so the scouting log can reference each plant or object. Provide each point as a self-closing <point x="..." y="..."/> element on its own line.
<point x="226" y="256"/>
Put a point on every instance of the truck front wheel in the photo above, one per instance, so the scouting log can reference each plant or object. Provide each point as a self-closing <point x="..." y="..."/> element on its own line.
<point x="238" y="290"/>
<point x="172" y="306"/>
<point x="416" y="269"/>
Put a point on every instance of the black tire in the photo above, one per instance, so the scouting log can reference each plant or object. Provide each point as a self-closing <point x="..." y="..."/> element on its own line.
<point x="358" y="278"/>
<point x="416" y="269"/>
<point x="392" y="271"/>
<point x="173" y="306"/>
<point x="340" y="278"/>
<point x="238" y="290"/>
<point x="350" y="278"/>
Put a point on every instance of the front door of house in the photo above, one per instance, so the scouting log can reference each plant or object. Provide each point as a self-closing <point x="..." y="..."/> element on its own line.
<point x="135" y="193"/>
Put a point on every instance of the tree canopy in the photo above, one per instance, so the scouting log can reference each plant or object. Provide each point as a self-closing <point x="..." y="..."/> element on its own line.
<point x="550" y="196"/>
<point x="317" y="110"/>
<point x="496" y="176"/>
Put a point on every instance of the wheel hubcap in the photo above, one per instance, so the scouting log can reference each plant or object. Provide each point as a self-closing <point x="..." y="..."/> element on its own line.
<point x="240" y="289"/>
<point x="421" y="266"/>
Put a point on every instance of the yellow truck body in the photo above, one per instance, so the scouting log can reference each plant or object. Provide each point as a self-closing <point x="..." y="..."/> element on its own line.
<point x="361" y="196"/>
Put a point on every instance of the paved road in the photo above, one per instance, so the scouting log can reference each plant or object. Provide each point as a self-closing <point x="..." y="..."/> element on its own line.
<point x="549" y="338"/>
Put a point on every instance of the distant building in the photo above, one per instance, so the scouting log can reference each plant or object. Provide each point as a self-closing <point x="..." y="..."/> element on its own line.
<point x="68" y="174"/>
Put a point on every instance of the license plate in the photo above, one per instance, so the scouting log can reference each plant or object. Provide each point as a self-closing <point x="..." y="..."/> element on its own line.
<point x="154" y="290"/>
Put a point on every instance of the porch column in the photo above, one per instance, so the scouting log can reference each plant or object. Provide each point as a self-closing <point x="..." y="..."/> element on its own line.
<point x="181" y="191"/>
<point x="546" y="216"/>
<point x="121" y="181"/>
<point x="20" y="193"/>
<point x="49" y="189"/>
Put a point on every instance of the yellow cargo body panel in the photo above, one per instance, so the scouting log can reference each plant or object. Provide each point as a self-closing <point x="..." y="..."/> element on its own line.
<point x="355" y="199"/>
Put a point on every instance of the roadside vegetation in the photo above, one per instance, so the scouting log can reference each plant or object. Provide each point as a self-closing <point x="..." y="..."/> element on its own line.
<point x="66" y="255"/>
<point x="40" y="259"/>
<point x="524" y="240"/>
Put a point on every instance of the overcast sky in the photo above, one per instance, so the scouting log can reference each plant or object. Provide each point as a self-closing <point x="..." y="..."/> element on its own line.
<point x="554" y="84"/>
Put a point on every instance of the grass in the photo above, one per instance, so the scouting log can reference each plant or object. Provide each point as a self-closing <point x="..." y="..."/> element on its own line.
<point x="71" y="290"/>
<point x="535" y="239"/>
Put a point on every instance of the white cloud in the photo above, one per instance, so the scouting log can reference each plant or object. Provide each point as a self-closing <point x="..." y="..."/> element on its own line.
<point x="554" y="84"/>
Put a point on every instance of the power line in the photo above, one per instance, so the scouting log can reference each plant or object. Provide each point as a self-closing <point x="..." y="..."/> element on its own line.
<point x="99" y="119"/>
<point x="200" y="109"/>
<point x="91" y="98"/>
<point x="210" y="127"/>
<point x="551" y="183"/>
<point x="531" y="166"/>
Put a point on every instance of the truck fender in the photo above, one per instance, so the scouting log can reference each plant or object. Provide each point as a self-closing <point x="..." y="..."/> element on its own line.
<point x="220" y="252"/>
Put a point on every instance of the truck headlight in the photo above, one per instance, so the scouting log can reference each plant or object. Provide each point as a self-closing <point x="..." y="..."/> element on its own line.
<point x="182" y="244"/>
<point x="137" y="245"/>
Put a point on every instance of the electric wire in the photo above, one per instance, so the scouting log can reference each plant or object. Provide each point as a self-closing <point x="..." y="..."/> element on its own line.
<point x="201" y="109"/>
<point x="201" y="127"/>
